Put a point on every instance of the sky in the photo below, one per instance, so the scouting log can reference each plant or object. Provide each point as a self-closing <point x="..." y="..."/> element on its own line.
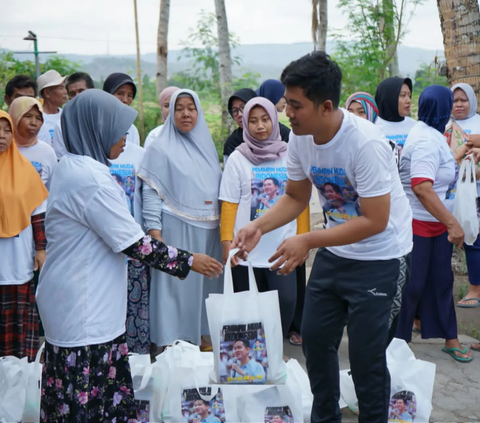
<point x="101" y="27"/>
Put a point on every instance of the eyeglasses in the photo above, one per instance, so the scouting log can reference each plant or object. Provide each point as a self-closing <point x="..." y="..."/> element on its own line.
<point x="236" y="111"/>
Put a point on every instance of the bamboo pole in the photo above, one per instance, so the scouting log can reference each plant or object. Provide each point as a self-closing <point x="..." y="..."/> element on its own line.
<point x="139" y="77"/>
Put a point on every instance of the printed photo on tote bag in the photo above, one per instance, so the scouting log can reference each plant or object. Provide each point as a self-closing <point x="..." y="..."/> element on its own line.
<point x="243" y="352"/>
<point x="278" y="415"/>
<point x="196" y="409"/>
<point x="403" y="407"/>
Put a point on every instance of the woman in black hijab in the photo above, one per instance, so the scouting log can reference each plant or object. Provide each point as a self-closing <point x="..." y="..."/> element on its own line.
<point x="236" y="103"/>
<point x="394" y="99"/>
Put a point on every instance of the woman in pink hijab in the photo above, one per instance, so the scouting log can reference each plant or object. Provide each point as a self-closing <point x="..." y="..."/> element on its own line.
<point x="164" y="102"/>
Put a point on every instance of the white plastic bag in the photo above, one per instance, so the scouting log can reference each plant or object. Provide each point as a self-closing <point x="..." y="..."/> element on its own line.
<point x="411" y="386"/>
<point x="31" y="411"/>
<point x="272" y="404"/>
<point x="246" y="333"/>
<point x="297" y="381"/>
<point x="141" y="370"/>
<point x="14" y="375"/>
<point x="465" y="210"/>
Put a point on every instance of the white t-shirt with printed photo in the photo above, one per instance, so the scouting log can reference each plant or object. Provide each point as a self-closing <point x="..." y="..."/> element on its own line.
<point x="17" y="255"/>
<point x="43" y="159"/>
<point x="82" y="293"/>
<point x="356" y="163"/>
<point x="47" y="131"/>
<point x="256" y="189"/>
<point x="396" y="132"/>
<point x="427" y="155"/>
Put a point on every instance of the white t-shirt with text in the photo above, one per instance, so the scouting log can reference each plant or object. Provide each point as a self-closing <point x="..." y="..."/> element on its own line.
<point x="255" y="189"/>
<point x="43" y="159"/>
<point x="356" y="163"/>
<point x="396" y="132"/>
<point x="427" y="155"/>
<point x="82" y="293"/>
<point x="47" y="131"/>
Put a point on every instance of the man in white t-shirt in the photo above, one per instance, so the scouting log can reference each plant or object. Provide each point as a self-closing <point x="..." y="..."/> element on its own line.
<point x="51" y="87"/>
<point x="363" y="252"/>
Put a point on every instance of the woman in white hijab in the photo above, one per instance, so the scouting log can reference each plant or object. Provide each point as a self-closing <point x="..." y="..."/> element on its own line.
<point x="180" y="205"/>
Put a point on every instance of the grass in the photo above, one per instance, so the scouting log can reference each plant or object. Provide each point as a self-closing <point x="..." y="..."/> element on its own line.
<point x="471" y="330"/>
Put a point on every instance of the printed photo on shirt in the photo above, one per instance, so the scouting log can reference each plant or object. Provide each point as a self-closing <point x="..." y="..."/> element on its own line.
<point x="452" y="188"/>
<point x="339" y="199"/>
<point x="243" y="354"/>
<point x="38" y="167"/>
<point x="124" y="174"/>
<point x="403" y="407"/>
<point x="268" y="185"/>
<point x="278" y="415"/>
<point x="196" y="409"/>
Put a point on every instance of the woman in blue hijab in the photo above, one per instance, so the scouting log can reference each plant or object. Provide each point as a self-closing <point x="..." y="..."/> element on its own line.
<point x="429" y="175"/>
<point x="273" y="90"/>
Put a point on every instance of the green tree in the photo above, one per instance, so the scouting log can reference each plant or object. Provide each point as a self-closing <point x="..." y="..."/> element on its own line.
<point x="428" y="75"/>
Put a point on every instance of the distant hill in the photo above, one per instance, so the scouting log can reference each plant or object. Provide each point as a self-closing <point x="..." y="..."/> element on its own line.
<point x="266" y="59"/>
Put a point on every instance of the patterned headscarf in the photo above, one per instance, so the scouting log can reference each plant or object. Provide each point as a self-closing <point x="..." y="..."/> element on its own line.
<point x="368" y="103"/>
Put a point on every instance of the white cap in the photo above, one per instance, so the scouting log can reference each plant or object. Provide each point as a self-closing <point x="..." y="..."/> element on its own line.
<point x="50" y="78"/>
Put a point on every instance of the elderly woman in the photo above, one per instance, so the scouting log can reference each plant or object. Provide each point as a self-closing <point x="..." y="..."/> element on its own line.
<point x="181" y="175"/>
<point x="362" y="105"/>
<point x="429" y="173"/>
<point x="82" y="294"/>
<point x="22" y="245"/>
<point x="164" y="103"/>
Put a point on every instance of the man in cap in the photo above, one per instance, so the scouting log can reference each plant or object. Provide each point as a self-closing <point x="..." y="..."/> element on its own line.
<point x="51" y="87"/>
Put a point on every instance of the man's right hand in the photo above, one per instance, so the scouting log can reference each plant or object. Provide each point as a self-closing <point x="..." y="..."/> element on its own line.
<point x="206" y="266"/>
<point x="246" y="240"/>
<point x="456" y="234"/>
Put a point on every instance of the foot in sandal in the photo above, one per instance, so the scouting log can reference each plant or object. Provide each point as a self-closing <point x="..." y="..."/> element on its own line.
<point x="456" y="351"/>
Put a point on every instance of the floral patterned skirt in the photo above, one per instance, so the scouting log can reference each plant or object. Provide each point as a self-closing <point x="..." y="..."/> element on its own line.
<point x="138" y="326"/>
<point x="88" y="384"/>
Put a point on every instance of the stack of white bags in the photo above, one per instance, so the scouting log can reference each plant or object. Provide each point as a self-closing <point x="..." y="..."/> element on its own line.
<point x="187" y="385"/>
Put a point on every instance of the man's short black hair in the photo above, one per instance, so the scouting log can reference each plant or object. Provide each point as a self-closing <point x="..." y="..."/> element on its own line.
<point x="20" y="81"/>
<point x="80" y="76"/>
<point x="243" y="341"/>
<point x="204" y="402"/>
<point x="335" y="187"/>
<point x="318" y="75"/>
<point x="274" y="180"/>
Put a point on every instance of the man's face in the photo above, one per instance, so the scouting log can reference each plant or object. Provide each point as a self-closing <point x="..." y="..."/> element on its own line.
<point x="19" y="92"/>
<point x="277" y="419"/>
<point x="400" y="405"/>
<point x="269" y="187"/>
<point x="331" y="193"/>
<point x="200" y="407"/>
<point x="240" y="351"/>
<point x="76" y="88"/>
<point x="306" y="118"/>
<point x="56" y="95"/>
<point x="237" y="111"/>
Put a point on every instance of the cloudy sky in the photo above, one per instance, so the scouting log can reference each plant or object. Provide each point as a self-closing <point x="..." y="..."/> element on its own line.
<point x="107" y="26"/>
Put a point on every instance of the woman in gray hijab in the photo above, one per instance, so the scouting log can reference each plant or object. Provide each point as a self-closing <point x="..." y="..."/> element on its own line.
<point x="82" y="293"/>
<point x="180" y="204"/>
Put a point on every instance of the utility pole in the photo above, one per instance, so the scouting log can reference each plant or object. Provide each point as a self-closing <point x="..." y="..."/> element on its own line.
<point x="33" y="37"/>
<point x="139" y="76"/>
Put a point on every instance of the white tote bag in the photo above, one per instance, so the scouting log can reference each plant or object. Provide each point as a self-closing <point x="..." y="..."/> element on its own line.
<point x="246" y="333"/>
<point x="465" y="210"/>
<point x="31" y="411"/>
<point x="14" y="375"/>
<point x="143" y="383"/>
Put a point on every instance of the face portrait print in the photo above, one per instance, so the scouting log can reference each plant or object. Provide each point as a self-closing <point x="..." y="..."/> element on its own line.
<point x="278" y="415"/>
<point x="403" y="407"/>
<point x="268" y="185"/>
<point x="198" y="406"/>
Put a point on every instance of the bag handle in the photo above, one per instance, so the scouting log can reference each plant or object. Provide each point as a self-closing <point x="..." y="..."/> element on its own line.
<point x="228" y="279"/>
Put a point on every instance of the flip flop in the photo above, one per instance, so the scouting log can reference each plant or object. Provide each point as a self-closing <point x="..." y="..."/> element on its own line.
<point x="451" y="351"/>
<point x="292" y="341"/>
<point x="467" y="305"/>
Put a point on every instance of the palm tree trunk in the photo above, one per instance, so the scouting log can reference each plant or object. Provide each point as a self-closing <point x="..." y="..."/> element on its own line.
<point x="225" y="60"/>
<point x="460" y="22"/>
<point x="162" y="46"/>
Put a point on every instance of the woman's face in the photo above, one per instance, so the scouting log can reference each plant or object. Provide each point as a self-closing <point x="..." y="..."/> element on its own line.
<point x="30" y="123"/>
<point x="404" y="101"/>
<point x="165" y="106"/>
<point x="461" y="105"/>
<point x="125" y="94"/>
<point x="357" y="109"/>
<point x="281" y="105"/>
<point x="6" y="135"/>
<point x="117" y="149"/>
<point x="259" y="124"/>
<point x="185" y="114"/>
<point x="237" y="111"/>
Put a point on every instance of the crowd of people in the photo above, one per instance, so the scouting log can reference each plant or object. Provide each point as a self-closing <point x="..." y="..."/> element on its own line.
<point x="96" y="231"/>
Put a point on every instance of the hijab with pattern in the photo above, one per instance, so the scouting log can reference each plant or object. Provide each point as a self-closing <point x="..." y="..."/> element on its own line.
<point x="257" y="151"/>
<point x="434" y="107"/>
<point x="183" y="167"/>
<point x="21" y="189"/>
<point x="19" y="108"/>
<point x="93" y="122"/>
<point x="386" y="97"/>
<point x="368" y="103"/>
<point x="472" y="99"/>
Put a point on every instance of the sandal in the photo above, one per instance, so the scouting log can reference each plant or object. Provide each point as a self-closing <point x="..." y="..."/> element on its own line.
<point x="451" y="351"/>
<point x="295" y="339"/>
<point x="469" y="305"/>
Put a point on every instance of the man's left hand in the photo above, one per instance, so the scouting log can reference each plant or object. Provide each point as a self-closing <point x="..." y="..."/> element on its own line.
<point x="291" y="253"/>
